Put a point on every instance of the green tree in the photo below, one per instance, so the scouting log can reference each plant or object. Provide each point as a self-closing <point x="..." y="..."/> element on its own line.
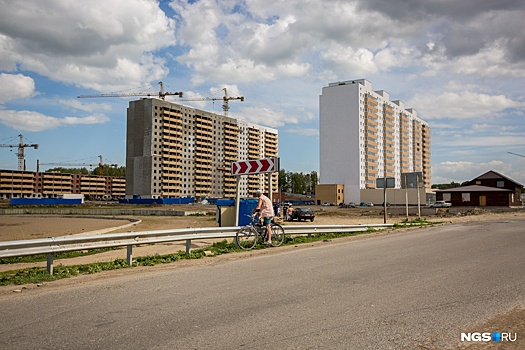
<point x="446" y="186"/>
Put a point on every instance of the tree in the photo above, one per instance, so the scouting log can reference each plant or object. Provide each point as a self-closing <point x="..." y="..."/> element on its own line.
<point x="284" y="182"/>
<point x="300" y="183"/>
<point x="446" y="186"/>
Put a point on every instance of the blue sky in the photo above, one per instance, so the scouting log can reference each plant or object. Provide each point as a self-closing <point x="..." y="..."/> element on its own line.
<point x="460" y="64"/>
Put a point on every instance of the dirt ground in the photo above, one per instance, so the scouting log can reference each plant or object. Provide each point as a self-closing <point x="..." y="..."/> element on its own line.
<point x="33" y="227"/>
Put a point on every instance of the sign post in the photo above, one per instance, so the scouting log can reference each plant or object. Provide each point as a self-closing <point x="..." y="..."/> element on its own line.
<point x="257" y="166"/>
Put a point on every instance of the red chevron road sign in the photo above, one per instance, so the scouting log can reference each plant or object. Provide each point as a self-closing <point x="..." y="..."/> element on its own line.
<point x="245" y="167"/>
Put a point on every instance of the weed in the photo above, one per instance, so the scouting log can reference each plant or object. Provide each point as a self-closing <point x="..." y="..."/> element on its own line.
<point x="66" y="255"/>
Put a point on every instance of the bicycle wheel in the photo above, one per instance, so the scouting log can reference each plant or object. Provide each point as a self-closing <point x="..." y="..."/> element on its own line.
<point x="277" y="235"/>
<point x="246" y="238"/>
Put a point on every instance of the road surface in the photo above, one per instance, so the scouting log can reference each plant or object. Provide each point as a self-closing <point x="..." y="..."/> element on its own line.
<point x="413" y="290"/>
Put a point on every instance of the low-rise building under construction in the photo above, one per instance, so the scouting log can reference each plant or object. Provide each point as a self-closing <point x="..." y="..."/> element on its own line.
<point x="24" y="184"/>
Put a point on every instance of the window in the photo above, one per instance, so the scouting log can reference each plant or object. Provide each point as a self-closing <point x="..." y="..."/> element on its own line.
<point x="500" y="184"/>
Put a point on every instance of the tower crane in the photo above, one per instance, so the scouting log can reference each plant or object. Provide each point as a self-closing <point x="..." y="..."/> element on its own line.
<point x="161" y="94"/>
<point x="21" y="146"/>
<point x="100" y="164"/>
<point x="225" y="99"/>
<point x="519" y="155"/>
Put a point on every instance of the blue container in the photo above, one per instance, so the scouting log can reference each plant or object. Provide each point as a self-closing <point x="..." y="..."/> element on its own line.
<point x="246" y="207"/>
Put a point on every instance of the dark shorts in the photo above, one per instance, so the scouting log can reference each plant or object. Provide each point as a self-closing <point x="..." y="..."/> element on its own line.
<point x="267" y="220"/>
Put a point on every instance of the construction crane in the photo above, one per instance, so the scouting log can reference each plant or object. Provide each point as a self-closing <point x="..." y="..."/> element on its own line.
<point x="225" y="99"/>
<point x="21" y="146"/>
<point x="161" y="94"/>
<point x="100" y="164"/>
<point x="519" y="155"/>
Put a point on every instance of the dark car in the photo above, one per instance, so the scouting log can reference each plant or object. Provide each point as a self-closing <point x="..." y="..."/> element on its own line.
<point x="303" y="214"/>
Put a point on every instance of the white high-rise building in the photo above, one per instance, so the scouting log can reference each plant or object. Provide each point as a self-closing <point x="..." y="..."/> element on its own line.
<point x="364" y="136"/>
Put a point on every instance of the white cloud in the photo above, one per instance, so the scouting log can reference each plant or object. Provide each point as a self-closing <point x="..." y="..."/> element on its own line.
<point x="462" y="105"/>
<point x="470" y="167"/>
<point x="34" y="121"/>
<point x="87" y="107"/>
<point x="461" y="171"/>
<point x="304" y="131"/>
<point x="266" y="116"/>
<point x="105" y="46"/>
<point x="15" y="86"/>
<point x="8" y="56"/>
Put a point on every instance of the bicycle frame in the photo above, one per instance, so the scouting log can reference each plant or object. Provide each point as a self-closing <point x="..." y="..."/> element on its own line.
<point x="248" y="235"/>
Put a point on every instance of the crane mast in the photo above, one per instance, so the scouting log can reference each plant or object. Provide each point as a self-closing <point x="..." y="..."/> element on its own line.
<point x="21" y="156"/>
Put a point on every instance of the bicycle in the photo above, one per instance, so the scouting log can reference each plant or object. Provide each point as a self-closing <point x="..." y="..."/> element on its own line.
<point x="248" y="236"/>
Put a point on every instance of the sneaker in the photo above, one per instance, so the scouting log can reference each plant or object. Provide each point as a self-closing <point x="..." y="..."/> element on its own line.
<point x="267" y="243"/>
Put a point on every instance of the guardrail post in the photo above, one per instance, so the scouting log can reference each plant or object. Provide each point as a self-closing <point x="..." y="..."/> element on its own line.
<point x="129" y="258"/>
<point x="188" y="246"/>
<point x="50" y="264"/>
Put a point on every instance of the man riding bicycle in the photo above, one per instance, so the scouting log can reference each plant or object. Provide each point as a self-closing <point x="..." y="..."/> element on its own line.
<point x="265" y="212"/>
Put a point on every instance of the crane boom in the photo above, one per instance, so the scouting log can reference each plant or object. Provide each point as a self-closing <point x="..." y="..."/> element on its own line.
<point x="519" y="155"/>
<point x="225" y="99"/>
<point x="161" y="94"/>
<point x="100" y="164"/>
<point x="21" y="146"/>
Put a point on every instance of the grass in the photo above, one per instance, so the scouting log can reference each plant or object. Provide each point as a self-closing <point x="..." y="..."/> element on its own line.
<point x="43" y="257"/>
<point x="415" y="222"/>
<point x="39" y="274"/>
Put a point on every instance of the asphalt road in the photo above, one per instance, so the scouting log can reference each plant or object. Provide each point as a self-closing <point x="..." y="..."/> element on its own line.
<point x="413" y="290"/>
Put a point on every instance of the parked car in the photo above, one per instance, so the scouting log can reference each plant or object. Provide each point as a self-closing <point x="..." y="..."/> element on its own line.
<point x="349" y="205"/>
<point x="301" y="214"/>
<point x="441" y="204"/>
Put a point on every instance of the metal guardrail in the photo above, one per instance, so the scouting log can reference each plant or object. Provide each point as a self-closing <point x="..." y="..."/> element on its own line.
<point x="53" y="245"/>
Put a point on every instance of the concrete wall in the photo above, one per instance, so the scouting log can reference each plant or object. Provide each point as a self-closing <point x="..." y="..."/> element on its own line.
<point x="394" y="196"/>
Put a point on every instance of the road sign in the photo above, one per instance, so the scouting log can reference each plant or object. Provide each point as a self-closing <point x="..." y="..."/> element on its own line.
<point x="245" y="167"/>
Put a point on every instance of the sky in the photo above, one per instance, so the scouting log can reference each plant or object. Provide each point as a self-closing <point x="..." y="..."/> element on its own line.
<point x="459" y="64"/>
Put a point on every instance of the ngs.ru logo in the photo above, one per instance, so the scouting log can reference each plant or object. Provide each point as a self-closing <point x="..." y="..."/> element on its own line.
<point x="488" y="336"/>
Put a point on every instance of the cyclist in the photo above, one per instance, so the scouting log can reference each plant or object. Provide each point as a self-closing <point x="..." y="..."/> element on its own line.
<point x="265" y="212"/>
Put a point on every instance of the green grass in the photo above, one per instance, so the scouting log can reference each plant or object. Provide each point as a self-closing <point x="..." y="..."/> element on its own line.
<point x="43" y="257"/>
<point x="415" y="222"/>
<point x="39" y="274"/>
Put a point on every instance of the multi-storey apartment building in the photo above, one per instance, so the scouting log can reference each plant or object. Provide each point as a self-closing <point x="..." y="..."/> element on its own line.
<point x="364" y="136"/>
<point x="23" y="184"/>
<point x="175" y="150"/>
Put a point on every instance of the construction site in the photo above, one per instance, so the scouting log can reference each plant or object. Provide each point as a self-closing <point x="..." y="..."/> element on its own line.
<point x="172" y="151"/>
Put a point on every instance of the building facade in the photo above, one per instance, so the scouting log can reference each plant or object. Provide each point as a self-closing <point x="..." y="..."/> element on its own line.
<point x="364" y="136"/>
<point x="173" y="151"/>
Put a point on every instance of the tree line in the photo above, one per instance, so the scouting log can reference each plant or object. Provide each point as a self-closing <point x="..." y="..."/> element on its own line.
<point x="292" y="182"/>
<point x="299" y="183"/>
<point x="450" y="185"/>
<point x="104" y="170"/>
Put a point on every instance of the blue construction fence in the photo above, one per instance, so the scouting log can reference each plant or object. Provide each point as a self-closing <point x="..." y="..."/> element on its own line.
<point x="45" y="201"/>
<point x="157" y="200"/>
